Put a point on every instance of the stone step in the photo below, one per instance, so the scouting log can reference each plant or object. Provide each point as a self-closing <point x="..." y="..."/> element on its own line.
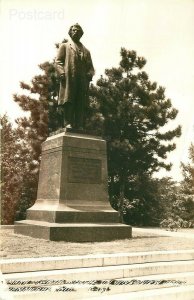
<point x="94" y="275"/>
<point x="88" y="261"/>
<point x="106" y="272"/>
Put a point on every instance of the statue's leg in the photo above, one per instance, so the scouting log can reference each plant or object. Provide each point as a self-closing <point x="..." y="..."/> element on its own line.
<point x="65" y="115"/>
<point x="61" y="116"/>
<point x="68" y="114"/>
<point x="79" y="105"/>
<point x="79" y="124"/>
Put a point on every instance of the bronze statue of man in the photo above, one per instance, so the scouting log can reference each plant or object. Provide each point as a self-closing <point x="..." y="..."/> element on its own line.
<point x="74" y="66"/>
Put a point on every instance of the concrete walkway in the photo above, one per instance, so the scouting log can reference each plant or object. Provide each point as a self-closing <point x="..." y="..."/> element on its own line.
<point x="163" y="232"/>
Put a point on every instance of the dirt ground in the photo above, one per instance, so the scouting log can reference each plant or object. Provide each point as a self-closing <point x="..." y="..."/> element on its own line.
<point x="18" y="246"/>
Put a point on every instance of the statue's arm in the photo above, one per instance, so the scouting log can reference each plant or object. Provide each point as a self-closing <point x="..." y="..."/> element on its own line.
<point x="60" y="60"/>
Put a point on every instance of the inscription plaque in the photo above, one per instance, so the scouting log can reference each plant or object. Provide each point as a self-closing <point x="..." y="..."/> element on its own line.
<point x="84" y="170"/>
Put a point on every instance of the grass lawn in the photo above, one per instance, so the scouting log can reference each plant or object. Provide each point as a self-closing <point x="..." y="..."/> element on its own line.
<point x="19" y="246"/>
<point x="187" y="230"/>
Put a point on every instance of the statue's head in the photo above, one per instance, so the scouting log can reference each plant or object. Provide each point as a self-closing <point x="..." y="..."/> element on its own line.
<point x="76" y="32"/>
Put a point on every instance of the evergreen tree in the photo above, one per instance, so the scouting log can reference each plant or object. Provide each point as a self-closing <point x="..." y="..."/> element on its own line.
<point x="132" y="110"/>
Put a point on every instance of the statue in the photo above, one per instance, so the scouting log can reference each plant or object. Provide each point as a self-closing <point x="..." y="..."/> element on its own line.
<point x="75" y="69"/>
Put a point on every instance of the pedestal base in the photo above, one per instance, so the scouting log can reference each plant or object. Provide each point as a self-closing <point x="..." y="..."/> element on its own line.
<point x="76" y="232"/>
<point x="72" y="203"/>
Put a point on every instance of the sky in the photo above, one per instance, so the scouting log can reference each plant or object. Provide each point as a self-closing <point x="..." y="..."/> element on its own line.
<point x="160" y="31"/>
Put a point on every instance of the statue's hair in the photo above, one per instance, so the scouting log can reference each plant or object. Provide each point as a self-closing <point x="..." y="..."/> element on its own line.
<point x="78" y="26"/>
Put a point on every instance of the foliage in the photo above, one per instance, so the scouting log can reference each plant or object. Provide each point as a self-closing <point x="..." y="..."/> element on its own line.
<point x="21" y="151"/>
<point x="174" y="224"/>
<point x="184" y="205"/>
<point x="131" y="110"/>
<point x="178" y="205"/>
<point x="41" y="104"/>
<point x="188" y="173"/>
<point x="15" y="159"/>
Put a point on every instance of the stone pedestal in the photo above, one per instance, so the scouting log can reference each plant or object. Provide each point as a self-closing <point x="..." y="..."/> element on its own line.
<point x="72" y="202"/>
